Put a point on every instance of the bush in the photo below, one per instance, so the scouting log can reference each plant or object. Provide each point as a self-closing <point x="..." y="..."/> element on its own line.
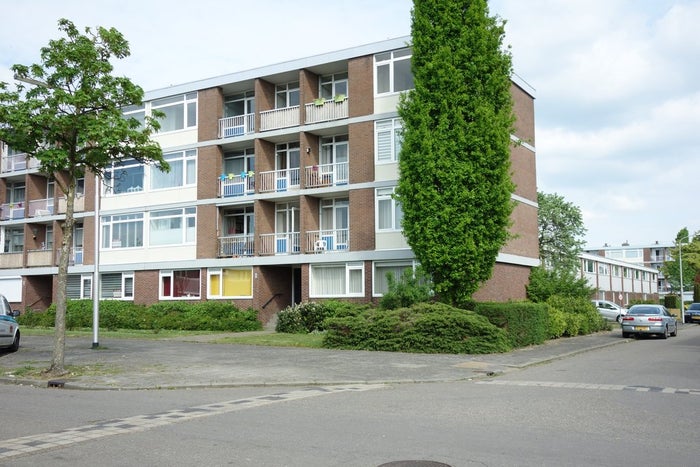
<point x="409" y="289"/>
<point x="581" y="315"/>
<point x="556" y="322"/>
<point x="545" y="283"/>
<point x="423" y="327"/>
<point x="525" y="323"/>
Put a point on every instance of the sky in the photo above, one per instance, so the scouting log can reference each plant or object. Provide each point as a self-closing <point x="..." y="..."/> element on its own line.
<point x="616" y="81"/>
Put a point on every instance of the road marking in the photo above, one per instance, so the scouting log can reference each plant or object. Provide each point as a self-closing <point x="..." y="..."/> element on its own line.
<point x="34" y="443"/>
<point x="599" y="387"/>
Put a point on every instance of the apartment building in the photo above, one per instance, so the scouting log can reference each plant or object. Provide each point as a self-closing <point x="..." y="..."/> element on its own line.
<point x="617" y="280"/>
<point x="280" y="191"/>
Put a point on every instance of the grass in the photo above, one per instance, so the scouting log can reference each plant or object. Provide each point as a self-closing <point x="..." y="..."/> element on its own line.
<point x="277" y="339"/>
<point x="35" y="372"/>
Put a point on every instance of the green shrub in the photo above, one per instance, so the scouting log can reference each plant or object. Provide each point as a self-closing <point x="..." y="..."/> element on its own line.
<point x="525" y="323"/>
<point x="290" y="320"/>
<point x="407" y="290"/>
<point x="556" y="322"/>
<point x="423" y="327"/>
<point x="545" y="283"/>
<point x="581" y="315"/>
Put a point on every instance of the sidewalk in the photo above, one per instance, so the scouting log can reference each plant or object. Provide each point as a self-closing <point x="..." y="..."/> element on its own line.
<point x="159" y="364"/>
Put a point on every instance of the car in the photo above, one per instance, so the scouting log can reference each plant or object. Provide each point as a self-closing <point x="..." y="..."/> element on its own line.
<point x="649" y="319"/>
<point x="9" y="328"/>
<point x="692" y="314"/>
<point x="609" y="310"/>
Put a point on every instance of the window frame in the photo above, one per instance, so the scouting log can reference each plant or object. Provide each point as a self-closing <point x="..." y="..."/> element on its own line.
<point x="382" y="195"/>
<point x="350" y="269"/>
<point x="391" y="128"/>
<point x="391" y="59"/>
<point x="107" y="224"/>
<point x="220" y="273"/>
<point x="171" y="275"/>
<point x="187" y="227"/>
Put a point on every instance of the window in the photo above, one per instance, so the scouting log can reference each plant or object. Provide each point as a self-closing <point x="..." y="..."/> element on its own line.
<point x="387" y="142"/>
<point x="590" y="266"/>
<point x="173" y="227"/>
<point x="616" y="271"/>
<point x="180" y="111"/>
<point x="337" y="280"/>
<point x="237" y="162"/>
<point x="117" y="285"/>
<point x="287" y="95"/>
<point x="125" y="176"/>
<point x="239" y="104"/>
<point x="603" y="269"/>
<point x="389" y="213"/>
<point x="179" y="284"/>
<point x="393" y="71"/>
<point x="381" y="284"/>
<point x="137" y="112"/>
<point x="183" y="170"/>
<point x="334" y="85"/>
<point x="231" y="283"/>
<point x="122" y="231"/>
<point x="239" y="221"/>
<point x="14" y="240"/>
<point x="79" y="287"/>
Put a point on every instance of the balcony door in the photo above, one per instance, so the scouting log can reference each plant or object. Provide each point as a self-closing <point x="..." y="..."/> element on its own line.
<point x="335" y="220"/>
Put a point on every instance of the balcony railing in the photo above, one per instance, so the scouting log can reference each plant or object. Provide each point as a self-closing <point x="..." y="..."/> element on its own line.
<point x="40" y="207"/>
<point x="324" y="110"/>
<point x="10" y="211"/>
<point x="279" y="180"/>
<point x="280" y="244"/>
<point x="326" y="175"/>
<point x="78" y="205"/>
<point x="279" y="118"/>
<point x="321" y="241"/>
<point x="236" y="245"/>
<point x="236" y="185"/>
<point x="10" y="260"/>
<point x="236" y="126"/>
<point x="18" y="162"/>
<point x="41" y="257"/>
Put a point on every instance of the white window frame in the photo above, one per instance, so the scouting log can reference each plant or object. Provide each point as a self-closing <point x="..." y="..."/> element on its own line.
<point x="220" y="273"/>
<point x="171" y="275"/>
<point x="350" y="269"/>
<point x="85" y="286"/>
<point x="112" y="186"/>
<point x="290" y="92"/>
<point x="126" y="287"/>
<point x="390" y="61"/>
<point x="183" y="171"/>
<point x="108" y="224"/>
<point x="188" y="114"/>
<point x="387" y="140"/>
<point x="412" y="264"/>
<point x="335" y="85"/>
<point x="184" y="221"/>
<point x="386" y="196"/>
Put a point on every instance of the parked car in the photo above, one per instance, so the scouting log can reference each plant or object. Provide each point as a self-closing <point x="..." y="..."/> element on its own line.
<point x="692" y="314"/>
<point x="609" y="310"/>
<point x="649" y="319"/>
<point x="9" y="329"/>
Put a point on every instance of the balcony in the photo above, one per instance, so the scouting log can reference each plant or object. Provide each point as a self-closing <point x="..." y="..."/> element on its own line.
<point x="41" y="257"/>
<point x="238" y="125"/>
<point x="78" y="206"/>
<point x="280" y="244"/>
<point x="322" y="241"/>
<point x="236" y="245"/>
<point x="322" y="110"/>
<point x="326" y="175"/>
<point x="279" y="180"/>
<point x="10" y="260"/>
<point x="17" y="163"/>
<point x="279" y="118"/>
<point x="40" y="207"/>
<point x="236" y="185"/>
<point x="11" y="211"/>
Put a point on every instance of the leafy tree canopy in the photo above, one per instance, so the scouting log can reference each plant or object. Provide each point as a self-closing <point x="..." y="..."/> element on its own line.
<point x="454" y="186"/>
<point x="561" y="232"/>
<point x="689" y="248"/>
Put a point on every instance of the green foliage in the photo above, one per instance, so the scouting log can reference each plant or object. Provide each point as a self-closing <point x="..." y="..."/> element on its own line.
<point x="689" y="250"/>
<point x="525" y="323"/>
<point x="581" y="315"/>
<point x="561" y="232"/>
<point x="544" y="283"/>
<point x="454" y="185"/>
<point x="423" y="327"/>
<point x="309" y="316"/>
<point x="672" y="301"/>
<point x="116" y="314"/>
<point x="556" y="323"/>
<point x="409" y="289"/>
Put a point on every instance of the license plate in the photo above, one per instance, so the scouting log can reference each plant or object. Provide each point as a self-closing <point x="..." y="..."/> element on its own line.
<point x="641" y="328"/>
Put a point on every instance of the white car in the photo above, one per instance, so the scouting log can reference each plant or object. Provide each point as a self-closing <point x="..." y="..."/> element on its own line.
<point x="609" y="310"/>
<point x="9" y="329"/>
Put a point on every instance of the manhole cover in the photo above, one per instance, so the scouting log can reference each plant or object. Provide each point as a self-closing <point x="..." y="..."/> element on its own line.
<point x="414" y="464"/>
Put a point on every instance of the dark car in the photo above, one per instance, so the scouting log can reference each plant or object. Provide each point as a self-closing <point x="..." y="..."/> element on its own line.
<point x="649" y="319"/>
<point x="692" y="314"/>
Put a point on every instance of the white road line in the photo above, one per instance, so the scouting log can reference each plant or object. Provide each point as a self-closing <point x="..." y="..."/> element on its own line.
<point x="34" y="443"/>
<point x="598" y="387"/>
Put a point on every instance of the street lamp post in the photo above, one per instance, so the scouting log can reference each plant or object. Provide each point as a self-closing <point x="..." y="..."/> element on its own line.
<point x="96" y="271"/>
<point x="680" y="262"/>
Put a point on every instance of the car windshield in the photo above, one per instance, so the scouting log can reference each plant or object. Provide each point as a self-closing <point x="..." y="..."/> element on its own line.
<point x="694" y="306"/>
<point x="644" y="310"/>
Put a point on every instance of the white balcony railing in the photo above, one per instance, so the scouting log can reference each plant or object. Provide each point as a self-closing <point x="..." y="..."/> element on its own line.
<point x="321" y="241"/>
<point x="78" y="205"/>
<point x="40" y="207"/>
<point x="236" y="126"/>
<point x="279" y="180"/>
<point x="279" y="118"/>
<point x="10" y="211"/>
<point x="237" y="245"/>
<point x="236" y="185"/>
<point x="326" y="175"/>
<point x="280" y="244"/>
<point x="18" y="162"/>
<point x="325" y="110"/>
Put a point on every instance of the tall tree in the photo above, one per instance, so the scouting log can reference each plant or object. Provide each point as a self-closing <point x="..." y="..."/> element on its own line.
<point x="70" y="120"/>
<point x="561" y="232"/>
<point x="454" y="186"/>
<point x="688" y="249"/>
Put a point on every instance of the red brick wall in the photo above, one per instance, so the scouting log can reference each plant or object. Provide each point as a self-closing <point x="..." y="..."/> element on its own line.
<point x="210" y="108"/>
<point x="361" y="161"/>
<point x="362" y="219"/>
<point x="361" y="86"/>
<point x="507" y="283"/>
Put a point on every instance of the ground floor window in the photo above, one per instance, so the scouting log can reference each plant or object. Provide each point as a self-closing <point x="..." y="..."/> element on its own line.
<point x="117" y="285"/>
<point x="180" y="284"/>
<point x="79" y="286"/>
<point x="337" y="280"/>
<point x="380" y="283"/>
<point x="231" y="283"/>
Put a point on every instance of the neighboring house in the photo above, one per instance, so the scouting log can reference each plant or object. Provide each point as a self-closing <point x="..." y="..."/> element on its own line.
<point x="619" y="281"/>
<point x="280" y="191"/>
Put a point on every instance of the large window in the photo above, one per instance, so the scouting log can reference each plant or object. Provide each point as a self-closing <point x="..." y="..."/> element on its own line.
<point x="393" y="71"/>
<point x="179" y="284"/>
<point x="180" y="111"/>
<point x="387" y="142"/>
<point x="173" y="226"/>
<point x="79" y="287"/>
<point x="231" y="283"/>
<point x="389" y="213"/>
<point x="287" y="95"/>
<point x="380" y="283"/>
<point x="122" y="231"/>
<point x="337" y="280"/>
<point x="239" y="104"/>
<point x="238" y="162"/>
<point x="124" y="177"/>
<point x="14" y="240"/>
<point x="334" y="85"/>
<point x="183" y="170"/>
<point x="117" y="285"/>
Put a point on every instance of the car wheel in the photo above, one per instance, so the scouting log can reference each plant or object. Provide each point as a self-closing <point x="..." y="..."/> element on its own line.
<point x="15" y="344"/>
<point x="665" y="333"/>
<point x="675" y="331"/>
<point x="619" y="318"/>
